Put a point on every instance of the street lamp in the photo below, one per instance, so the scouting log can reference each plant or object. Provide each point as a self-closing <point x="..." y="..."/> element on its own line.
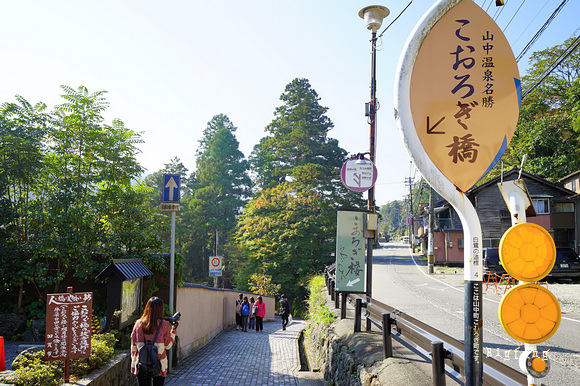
<point x="361" y="159"/>
<point x="373" y="16"/>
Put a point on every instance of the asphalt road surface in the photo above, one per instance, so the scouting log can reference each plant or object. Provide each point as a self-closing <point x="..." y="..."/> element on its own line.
<point x="401" y="281"/>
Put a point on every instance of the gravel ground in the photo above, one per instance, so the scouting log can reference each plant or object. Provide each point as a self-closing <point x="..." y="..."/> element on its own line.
<point x="11" y="351"/>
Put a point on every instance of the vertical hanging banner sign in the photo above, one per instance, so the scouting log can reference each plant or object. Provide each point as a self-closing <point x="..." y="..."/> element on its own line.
<point x="465" y="94"/>
<point x="350" y="252"/>
<point x="68" y="325"/>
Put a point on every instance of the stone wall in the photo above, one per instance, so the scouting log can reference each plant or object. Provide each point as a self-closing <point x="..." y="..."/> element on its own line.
<point x="328" y="352"/>
<point x="116" y="372"/>
<point x="357" y="359"/>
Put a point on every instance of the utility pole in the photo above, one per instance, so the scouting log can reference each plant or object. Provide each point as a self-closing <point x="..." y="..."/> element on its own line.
<point x="217" y="238"/>
<point x="409" y="181"/>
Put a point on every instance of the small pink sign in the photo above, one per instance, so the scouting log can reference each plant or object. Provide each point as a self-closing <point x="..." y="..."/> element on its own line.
<point x="358" y="176"/>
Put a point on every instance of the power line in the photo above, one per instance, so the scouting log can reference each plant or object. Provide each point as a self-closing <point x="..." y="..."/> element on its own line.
<point x="509" y="22"/>
<point x="387" y="27"/>
<point x="541" y="30"/>
<point x="499" y="10"/>
<point x="531" y="21"/>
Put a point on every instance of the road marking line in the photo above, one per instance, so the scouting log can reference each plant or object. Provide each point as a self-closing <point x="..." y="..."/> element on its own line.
<point x="457" y="289"/>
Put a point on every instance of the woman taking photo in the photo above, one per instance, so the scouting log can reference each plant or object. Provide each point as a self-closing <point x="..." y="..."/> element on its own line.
<point x="152" y="326"/>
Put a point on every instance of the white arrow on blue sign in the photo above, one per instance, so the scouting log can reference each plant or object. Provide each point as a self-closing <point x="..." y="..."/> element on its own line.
<point x="171" y="184"/>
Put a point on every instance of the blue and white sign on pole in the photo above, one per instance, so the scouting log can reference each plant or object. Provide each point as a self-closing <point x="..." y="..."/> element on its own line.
<point x="171" y="185"/>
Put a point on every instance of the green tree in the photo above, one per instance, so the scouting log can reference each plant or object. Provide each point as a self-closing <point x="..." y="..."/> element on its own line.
<point x="288" y="228"/>
<point x="548" y="130"/>
<point x="23" y="131"/>
<point x="81" y="191"/>
<point x="262" y="284"/>
<point x="287" y="233"/>
<point x="392" y="219"/>
<point x="298" y="148"/>
<point x="218" y="193"/>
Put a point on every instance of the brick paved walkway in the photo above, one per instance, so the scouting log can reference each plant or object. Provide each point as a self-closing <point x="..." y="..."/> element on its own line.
<point x="269" y="357"/>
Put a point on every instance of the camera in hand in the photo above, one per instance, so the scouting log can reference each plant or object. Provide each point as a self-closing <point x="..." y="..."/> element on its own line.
<point x="174" y="319"/>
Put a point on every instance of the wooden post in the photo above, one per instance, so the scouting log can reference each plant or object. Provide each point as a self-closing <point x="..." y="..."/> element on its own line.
<point x="357" y="308"/>
<point x="69" y="290"/>
<point x="387" y="342"/>
<point x="438" y="363"/>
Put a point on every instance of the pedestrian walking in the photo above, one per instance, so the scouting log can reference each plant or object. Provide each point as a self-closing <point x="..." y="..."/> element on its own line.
<point x="260" y="312"/>
<point x="252" y="318"/>
<point x="239" y="301"/>
<point x="284" y="311"/>
<point x="245" y="311"/>
<point x="152" y="327"/>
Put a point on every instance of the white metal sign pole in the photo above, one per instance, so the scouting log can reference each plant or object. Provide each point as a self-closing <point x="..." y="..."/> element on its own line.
<point x="473" y="322"/>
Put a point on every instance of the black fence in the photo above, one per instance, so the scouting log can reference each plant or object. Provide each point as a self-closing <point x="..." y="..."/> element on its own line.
<point x="443" y="349"/>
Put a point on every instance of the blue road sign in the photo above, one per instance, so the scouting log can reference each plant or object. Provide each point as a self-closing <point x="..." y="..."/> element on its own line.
<point x="171" y="185"/>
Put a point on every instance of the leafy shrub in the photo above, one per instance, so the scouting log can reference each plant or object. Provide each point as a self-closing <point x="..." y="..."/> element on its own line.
<point x="319" y="313"/>
<point x="31" y="369"/>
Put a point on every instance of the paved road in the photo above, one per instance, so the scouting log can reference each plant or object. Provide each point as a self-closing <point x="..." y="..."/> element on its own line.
<point x="269" y="357"/>
<point x="401" y="282"/>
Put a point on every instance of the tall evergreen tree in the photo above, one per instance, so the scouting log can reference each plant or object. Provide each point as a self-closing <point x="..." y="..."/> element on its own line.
<point x="299" y="149"/>
<point x="288" y="228"/>
<point x="219" y="191"/>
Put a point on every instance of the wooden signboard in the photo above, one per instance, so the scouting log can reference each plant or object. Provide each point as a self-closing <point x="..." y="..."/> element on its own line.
<point x="68" y="326"/>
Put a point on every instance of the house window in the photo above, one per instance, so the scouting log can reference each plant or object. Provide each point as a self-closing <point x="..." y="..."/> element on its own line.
<point x="563" y="207"/>
<point x="573" y="185"/>
<point x="504" y="213"/>
<point x="490" y="243"/>
<point x="541" y="205"/>
<point x="459" y="243"/>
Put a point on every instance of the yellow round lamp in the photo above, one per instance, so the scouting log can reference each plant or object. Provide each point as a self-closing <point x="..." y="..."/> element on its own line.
<point x="529" y="313"/>
<point x="527" y="252"/>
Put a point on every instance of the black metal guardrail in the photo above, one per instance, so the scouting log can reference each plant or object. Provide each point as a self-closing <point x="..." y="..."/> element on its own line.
<point x="443" y="349"/>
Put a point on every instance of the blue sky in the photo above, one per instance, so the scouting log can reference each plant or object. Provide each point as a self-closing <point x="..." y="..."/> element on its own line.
<point x="169" y="67"/>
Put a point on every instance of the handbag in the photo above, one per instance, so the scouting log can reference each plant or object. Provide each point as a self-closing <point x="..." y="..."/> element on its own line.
<point x="255" y="310"/>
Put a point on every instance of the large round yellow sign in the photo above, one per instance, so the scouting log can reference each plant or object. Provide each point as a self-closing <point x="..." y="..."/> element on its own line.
<point x="530" y="313"/>
<point x="465" y="94"/>
<point x="527" y="252"/>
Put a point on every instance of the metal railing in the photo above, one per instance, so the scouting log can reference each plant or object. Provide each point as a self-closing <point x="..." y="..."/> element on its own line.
<point x="443" y="349"/>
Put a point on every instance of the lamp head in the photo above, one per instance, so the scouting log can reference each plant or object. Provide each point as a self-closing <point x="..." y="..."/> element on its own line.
<point x="374" y="15"/>
<point x="361" y="159"/>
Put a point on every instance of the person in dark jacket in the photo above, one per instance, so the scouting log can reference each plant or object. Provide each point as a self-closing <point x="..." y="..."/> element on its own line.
<point x="239" y="301"/>
<point x="245" y="311"/>
<point x="284" y="311"/>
